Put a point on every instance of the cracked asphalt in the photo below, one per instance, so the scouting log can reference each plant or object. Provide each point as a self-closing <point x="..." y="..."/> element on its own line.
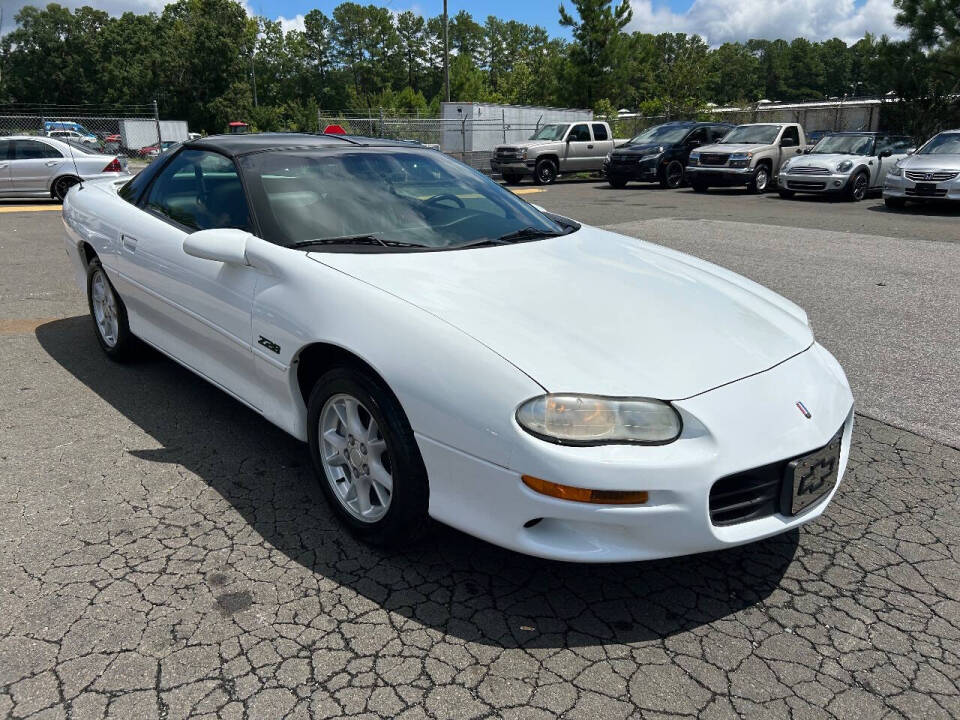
<point x="164" y="552"/>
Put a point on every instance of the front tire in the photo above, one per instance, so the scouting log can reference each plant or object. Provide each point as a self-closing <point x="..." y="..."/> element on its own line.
<point x="858" y="187"/>
<point x="545" y="173"/>
<point x="786" y="194"/>
<point x="109" y="315"/>
<point x="366" y="458"/>
<point x="672" y="176"/>
<point x="617" y="182"/>
<point x="699" y="186"/>
<point x="512" y="179"/>
<point x="61" y="186"/>
<point x="895" y="203"/>
<point x="760" y="181"/>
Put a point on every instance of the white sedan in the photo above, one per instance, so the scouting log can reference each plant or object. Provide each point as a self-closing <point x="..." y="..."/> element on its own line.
<point x="451" y="351"/>
<point x="33" y="166"/>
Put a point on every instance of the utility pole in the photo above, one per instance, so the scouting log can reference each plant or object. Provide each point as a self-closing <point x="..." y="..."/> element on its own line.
<point x="446" y="53"/>
<point x="253" y="77"/>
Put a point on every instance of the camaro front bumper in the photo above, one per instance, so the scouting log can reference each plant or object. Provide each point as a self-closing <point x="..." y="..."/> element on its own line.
<point x="734" y="428"/>
<point x="906" y="189"/>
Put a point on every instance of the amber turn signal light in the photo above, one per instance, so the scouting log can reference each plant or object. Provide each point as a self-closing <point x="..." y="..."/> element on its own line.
<point x="601" y="497"/>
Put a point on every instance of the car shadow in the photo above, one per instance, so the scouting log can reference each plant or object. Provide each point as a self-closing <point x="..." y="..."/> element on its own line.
<point x="936" y="208"/>
<point x="449" y="582"/>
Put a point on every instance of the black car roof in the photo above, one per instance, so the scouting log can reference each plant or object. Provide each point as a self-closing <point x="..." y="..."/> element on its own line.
<point x="694" y="123"/>
<point x="859" y="132"/>
<point x="235" y="145"/>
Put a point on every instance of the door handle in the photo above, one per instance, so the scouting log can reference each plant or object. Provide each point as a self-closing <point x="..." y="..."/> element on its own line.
<point x="129" y="243"/>
<point x="589" y="147"/>
<point x="2" y="166"/>
<point x="51" y="163"/>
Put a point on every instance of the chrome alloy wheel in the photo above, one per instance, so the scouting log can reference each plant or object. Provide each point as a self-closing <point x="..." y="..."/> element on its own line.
<point x="104" y="308"/>
<point x="860" y="187"/>
<point x="355" y="458"/>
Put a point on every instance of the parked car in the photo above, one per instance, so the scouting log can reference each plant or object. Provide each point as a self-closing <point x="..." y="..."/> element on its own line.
<point x="154" y="150"/>
<point x="554" y="149"/>
<point x="449" y="350"/>
<point x="70" y="126"/>
<point x="660" y="154"/>
<point x="748" y="155"/>
<point x="37" y="166"/>
<point x="932" y="173"/>
<point x="848" y="163"/>
<point x="74" y="136"/>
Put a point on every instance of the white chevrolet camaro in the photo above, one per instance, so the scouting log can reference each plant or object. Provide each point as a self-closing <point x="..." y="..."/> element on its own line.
<point x="451" y="351"/>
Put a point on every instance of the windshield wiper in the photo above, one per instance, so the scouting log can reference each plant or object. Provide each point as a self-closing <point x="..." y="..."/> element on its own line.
<point x="356" y="240"/>
<point x="527" y="233"/>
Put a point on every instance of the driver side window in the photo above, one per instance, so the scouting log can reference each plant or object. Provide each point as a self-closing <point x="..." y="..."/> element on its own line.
<point x="698" y="135"/>
<point x="791" y="134"/>
<point x="200" y="190"/>
<point x="580" y="133"/>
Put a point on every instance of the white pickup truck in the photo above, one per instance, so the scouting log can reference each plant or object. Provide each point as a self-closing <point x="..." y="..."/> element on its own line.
<point x="554" y="149"/>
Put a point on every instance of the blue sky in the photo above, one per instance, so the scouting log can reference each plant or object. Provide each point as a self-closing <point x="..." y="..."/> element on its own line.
<point x="717" y="21"/>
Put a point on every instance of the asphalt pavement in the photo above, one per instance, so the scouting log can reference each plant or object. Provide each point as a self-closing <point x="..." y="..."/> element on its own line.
<point x="165" y="552"/>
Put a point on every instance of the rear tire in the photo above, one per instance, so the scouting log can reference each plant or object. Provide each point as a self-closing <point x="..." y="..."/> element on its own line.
<point x="367" y="462"/>
<point x="895" y="203"/>
<point x="109" y="315"/>
<point x="545" y="173"/>
<point x="61" y="186"/>
<point x="512" y="179"/>
<point x="617" y="182"/>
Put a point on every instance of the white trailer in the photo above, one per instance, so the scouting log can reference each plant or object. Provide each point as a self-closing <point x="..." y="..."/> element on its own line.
<point x="479" y="127"/>
<point x="136" y="134"/>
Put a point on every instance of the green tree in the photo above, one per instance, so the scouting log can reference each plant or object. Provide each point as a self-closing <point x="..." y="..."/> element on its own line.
<point x="596" y="32"/>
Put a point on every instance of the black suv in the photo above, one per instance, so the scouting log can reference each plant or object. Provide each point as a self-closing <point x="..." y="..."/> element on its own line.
<point x="659" y="154"/>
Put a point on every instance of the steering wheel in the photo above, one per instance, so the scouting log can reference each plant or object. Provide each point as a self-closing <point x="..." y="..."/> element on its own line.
<point x="445" y="196"/>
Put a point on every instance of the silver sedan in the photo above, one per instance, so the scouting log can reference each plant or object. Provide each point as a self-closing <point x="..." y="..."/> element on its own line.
<point x="932" y="173"/>
<point x="34" y="166"/>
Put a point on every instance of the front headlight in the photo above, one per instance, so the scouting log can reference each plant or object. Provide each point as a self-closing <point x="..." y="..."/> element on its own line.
<point x="694" y="158"/>
<point x="523" y="154"/>
<point x="845" y="166"/>
<point x="594" y="420"/>
<point x="607" y="158"/>
<point x="741" y="156"/>
<point x="895" y="171"/>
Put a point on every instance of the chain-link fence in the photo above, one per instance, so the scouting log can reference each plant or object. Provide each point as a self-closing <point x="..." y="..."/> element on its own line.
<point x="133" y="131"/>
<point x="470" y="140"/>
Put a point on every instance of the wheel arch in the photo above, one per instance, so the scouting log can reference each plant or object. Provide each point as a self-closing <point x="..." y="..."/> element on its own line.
<point x="57" y="178"/>
<point x="316" y="358"/>
<point x="549" y="156"/>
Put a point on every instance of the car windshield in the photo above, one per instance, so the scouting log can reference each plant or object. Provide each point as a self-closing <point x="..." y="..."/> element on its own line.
<point x="661" y="134"/>
<point x="943" y="144"/>
<point x="550" y="132"/>
<point x="381" y="199"/>
<point x="845" y="145"/>
<point x="759" y="134"/>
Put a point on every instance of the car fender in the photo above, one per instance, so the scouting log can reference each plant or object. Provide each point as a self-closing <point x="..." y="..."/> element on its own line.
<point x="453" y="389"/>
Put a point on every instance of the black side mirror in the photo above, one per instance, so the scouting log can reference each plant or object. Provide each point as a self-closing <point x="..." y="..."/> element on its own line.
<point x="806" y="151"/>
<point x="569" y="138"/>
<point x="886" y="153"/>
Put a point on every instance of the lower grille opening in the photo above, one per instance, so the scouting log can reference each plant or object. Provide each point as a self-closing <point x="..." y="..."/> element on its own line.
<point x="801" y="185"/>
<point x="748" y="495"/>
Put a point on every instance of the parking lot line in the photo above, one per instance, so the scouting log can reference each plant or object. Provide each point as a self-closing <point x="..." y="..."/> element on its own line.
<point x="28" y="208"/>
<point x="527" y="191"/>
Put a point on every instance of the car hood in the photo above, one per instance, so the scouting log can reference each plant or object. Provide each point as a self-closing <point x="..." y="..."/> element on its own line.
<point x="596" y="312"/>
<point x="946" y="161"/>
<point x="528" y="143"/>
<point x="732" y="148"/>
<point x="828" y="160"/>
<point x="644" y="149"/>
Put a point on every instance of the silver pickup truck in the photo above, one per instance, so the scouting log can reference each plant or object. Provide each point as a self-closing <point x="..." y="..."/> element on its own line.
<point x="749" y="155"/>
<point x="554" y="149"/>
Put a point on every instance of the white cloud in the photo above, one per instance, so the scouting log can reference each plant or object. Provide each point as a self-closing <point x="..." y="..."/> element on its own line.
<point x="720" y="21"/>
<point x="294" y="23"/>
